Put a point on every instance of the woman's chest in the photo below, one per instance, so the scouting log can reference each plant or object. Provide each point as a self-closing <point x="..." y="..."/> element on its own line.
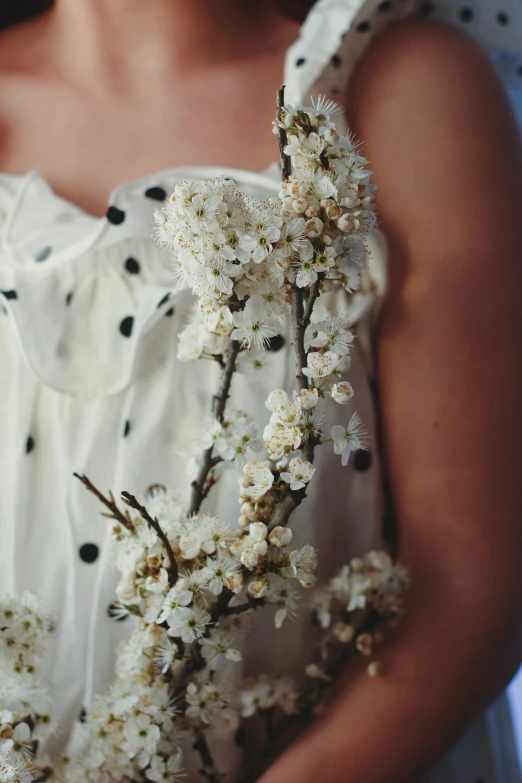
<point x="86" y="146"/>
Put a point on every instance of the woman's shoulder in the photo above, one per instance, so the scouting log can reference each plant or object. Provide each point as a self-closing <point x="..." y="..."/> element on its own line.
<point x="439" y="132"/>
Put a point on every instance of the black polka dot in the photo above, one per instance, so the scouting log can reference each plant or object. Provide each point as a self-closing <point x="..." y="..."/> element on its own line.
<point x="132" y="266"/>
<point x="336" y="61"/>
<point x="170" y="312"/>
<point x="126" y="428"/>
<point x="503" y="18"/>
<point x="117" y="612"/>
<point x="29" y="444"/>
<point x="157" y="193"/>
<point x="115" y="215"/>
<point x="43" y="254"/>
<point x="426" y="9"/>
<point x="466" y="14"/>
<point x="300" y="61"/>
<point x="275" y="343"/>
<point x="126" y="326"/>
<point x="165" y="299"/>
<point x="10" y="294"/>
<point x="83" y="715"/>
<point x="385" y="6"/>
<point x="68" y="298"/>
<point x="362" y="460"/>
<point x="89" y="552"/>
<point x="363" y="27"/>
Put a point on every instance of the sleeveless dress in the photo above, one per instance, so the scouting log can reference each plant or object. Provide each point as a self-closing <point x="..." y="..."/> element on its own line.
<point x="90" y="383"/>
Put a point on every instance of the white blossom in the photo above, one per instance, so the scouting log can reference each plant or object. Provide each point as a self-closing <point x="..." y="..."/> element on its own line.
<point x="253" y="324"/>
<point x="350" y="439"/>
<point x="321" y="365"/>
<point x="300" y="472"/>
<point x="304" y="562"/>
<point x="189" y="624"/>
<point x="341" y="392"/>
<point x="257" y="479"/>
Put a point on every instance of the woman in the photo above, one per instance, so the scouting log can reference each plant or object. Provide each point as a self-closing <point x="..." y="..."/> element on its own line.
<point x="94" y="94"/>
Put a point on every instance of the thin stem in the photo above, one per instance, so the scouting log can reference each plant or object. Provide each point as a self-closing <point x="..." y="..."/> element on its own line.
<point x="297" y="312"/>
<point x="109" y="503"/>
<point x="308" y="700"/>
<point x="155" y="525"/>
<point x="199" y="490"/>
<point x="208" y="770"/>
<point x="312" y="296"/>
<point x="286" y="163"/>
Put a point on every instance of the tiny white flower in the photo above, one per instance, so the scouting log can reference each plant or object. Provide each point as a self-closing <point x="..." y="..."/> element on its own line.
<point x="316" y="673"/>
<point x="189" y="624"/>
<point x="280" y="536"/>
<point x="300" y="472"/>
<point x="253" y="324"/>
<point x="341" y="392"/>
<point x="219" y="644"/>
<point x="175" y="599"/>
<point x="303" y="563"/>
<point x="169" y="771"/>
<point x="350" y="439"/>
<point x="307" y="399"/>
<point x="258" y="697"/>
<point x="321" y="365"/>
<point x="257" y="479"/>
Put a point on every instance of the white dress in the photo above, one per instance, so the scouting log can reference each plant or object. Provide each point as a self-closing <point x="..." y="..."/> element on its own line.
<point x="90" y="382"/>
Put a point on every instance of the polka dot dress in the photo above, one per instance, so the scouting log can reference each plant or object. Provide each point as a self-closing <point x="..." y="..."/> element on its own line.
<point x="91" y="384"/>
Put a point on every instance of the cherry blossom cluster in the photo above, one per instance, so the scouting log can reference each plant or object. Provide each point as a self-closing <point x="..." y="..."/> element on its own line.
<point x="329" y="191"/>
<point x="192" y="580"/>
<point x="26" y="629"/>
<point x="235" y="439"/>
<point x="368" y="585"/>
<point x="130" y="732"/>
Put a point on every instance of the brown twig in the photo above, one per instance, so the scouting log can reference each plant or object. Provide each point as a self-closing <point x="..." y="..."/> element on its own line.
<point x="109" y="503"/>
<point x="308" y="700"/>
<point x="312" y="296"/>
<point x="286" y="164"/>
<point x="155" y="525"/>
<point x="297" y="312"/>
<point x="199" y="490"/>
<point x="208" y="770"/>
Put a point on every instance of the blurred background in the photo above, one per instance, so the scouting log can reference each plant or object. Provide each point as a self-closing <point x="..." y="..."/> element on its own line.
<point x="515" y="696"/>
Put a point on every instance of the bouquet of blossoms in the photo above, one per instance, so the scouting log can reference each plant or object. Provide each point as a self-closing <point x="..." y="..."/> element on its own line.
<point x="193" y="580"/>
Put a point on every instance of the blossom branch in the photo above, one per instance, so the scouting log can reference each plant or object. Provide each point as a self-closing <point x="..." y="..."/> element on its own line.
<point x="208" y="770"/>
<point x="154" y="524"/>
<point x="123" y="519"/>
<point x="298" y="329"/>
<point x="285" y="160"/>
<point x="199" y="490"/>
<point x="312" y="296"/>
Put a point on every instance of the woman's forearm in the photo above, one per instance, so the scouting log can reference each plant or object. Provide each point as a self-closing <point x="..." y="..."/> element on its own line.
<point x="445" y="664"/>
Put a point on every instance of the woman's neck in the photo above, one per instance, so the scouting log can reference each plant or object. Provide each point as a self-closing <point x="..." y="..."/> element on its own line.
<point x="140" y="45"/>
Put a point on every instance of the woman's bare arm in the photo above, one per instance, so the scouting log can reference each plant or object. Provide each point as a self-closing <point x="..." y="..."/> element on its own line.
<point x="446" y="157"/>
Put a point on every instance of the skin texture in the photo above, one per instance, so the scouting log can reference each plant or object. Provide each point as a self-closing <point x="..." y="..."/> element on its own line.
<point x="83" y="86"/>
<point x="445" y="154"/>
